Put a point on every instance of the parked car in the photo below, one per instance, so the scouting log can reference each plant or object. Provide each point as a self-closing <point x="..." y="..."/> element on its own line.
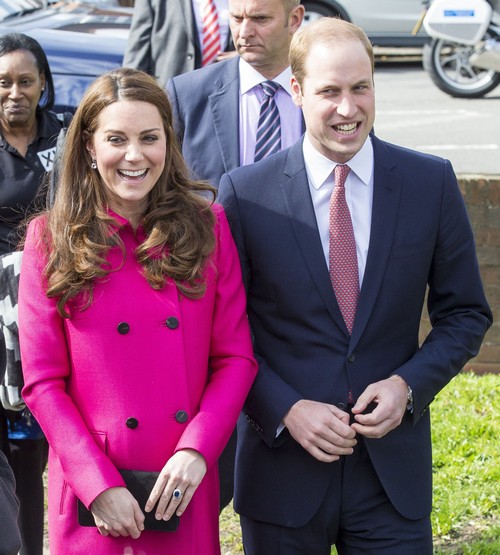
<point x="386" y="22"/>
<point x="81" y="40"/>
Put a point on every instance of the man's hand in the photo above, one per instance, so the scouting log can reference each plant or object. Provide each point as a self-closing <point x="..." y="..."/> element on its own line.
<point x="117" y="512"/>
<point x="323" y="430"/>
<point x="390" y="396"/>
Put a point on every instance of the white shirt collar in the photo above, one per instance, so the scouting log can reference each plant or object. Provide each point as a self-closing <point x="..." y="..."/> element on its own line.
<point x="250" y="77"/>
<point x="319" y="168"/>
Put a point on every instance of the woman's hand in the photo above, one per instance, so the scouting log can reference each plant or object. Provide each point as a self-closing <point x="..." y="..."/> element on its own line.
<point x="117" y="512"/>
<point x="183" y="473"/>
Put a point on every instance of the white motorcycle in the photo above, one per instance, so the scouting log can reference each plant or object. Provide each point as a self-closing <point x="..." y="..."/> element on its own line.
<point x="463" y="57"/>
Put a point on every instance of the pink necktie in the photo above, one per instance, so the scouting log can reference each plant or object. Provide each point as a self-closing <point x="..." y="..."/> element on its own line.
<point x="210" y="33"/>
<point x="342" y="256"/>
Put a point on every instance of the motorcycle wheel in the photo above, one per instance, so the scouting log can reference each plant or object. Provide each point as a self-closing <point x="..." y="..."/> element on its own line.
<point x="450" y="69"/>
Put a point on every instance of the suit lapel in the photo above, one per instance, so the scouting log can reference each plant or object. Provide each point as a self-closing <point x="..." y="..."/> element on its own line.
<point x="386" y="194"/>
<point x="190" y="22"/>
<point x="298" y="203"/>
<point x="224" y="106"/>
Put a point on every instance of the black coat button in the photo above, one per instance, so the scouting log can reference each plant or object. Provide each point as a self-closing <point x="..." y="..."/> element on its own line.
<point x="172" y="323"/>
<point x="351" y="358"/>
<point x="132" y="423"/>
<point x="123" y="328"/>
<point x="181" y="416"/>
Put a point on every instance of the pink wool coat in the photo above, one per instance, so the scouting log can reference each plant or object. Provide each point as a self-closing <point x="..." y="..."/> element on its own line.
<point x="129" y="381"/>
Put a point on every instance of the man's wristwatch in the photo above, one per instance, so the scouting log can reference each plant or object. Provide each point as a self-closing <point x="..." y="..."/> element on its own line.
<point x="409" y="395"/>
<point x="409" y="400"/>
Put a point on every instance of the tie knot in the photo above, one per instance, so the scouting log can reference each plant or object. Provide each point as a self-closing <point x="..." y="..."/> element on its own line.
<point x="269" y="88"/>
<point x="341" y="171"/>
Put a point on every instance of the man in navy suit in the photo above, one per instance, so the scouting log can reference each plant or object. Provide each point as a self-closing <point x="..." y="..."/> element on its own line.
<point x="216" y="109"/>
<point x="334" y="446"/>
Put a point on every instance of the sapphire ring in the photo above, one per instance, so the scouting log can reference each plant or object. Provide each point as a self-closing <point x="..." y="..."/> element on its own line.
<point x="177" y="494"/>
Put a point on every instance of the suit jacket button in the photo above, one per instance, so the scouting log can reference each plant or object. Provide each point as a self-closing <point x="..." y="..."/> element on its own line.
<point x="181" y="416"/>
<point x="132" y="423"/>
<point x="351" y="358"/>
<point x="172" y="323"/>
<point x="123" y="328"/>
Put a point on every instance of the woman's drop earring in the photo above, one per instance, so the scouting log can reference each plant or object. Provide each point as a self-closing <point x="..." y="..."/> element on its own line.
<point x="93" y="165"/>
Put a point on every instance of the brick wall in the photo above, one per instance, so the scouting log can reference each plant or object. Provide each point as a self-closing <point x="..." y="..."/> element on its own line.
<point x="482" y="197"/>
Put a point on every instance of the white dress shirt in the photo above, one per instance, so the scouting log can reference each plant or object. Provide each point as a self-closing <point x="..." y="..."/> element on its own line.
<point x="250" y="99"/>
<point x="359" y="196"/>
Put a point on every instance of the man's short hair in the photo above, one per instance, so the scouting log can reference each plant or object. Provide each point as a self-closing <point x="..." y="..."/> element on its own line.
<point x="325" y="30"/>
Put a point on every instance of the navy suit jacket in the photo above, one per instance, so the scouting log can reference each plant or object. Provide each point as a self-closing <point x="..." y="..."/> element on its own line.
<point x="205" y="106"/>
<point x="420" y="236"/>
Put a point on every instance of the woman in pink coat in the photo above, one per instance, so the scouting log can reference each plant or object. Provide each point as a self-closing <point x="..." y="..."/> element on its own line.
<point x="134" y="338"/>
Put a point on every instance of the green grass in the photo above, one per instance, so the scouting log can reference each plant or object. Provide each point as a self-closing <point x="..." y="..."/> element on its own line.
<point x="466" y="428"/>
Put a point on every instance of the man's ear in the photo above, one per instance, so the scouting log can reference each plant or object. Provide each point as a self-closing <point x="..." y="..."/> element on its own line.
<point x="296" y="91"/>
<point x="295" y="18"/>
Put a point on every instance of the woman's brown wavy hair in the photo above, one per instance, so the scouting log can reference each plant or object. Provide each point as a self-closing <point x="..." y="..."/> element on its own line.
<point x="178" y="220"/>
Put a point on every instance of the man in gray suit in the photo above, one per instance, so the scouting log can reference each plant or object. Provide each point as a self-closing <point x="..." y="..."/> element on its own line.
<point x="165" y="37"/>
<point x="216" y="109"/>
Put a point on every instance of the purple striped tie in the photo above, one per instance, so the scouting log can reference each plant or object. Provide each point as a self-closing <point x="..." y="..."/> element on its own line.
<point x="269" y="128"/>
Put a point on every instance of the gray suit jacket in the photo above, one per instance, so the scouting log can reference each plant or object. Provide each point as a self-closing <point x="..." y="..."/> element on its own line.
<point x="163" y="40"/>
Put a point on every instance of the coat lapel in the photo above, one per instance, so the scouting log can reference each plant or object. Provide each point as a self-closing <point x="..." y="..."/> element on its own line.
<point x="386" y="194"/>
<point x="224" y="106"/>
<point x="298" y="203"/>
<point x="190" y="22"/>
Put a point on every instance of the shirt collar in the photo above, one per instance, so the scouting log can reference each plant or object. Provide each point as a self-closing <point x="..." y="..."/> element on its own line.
<point x="250" y="78"/>
<point x="45" y="128"/>
<point x="319" y="168"/>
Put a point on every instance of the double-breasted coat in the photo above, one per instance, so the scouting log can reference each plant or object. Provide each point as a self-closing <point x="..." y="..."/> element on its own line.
<point x="135" y="377"/>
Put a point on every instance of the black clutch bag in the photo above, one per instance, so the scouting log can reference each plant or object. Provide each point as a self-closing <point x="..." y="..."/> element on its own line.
<point x="140" y="485"/>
